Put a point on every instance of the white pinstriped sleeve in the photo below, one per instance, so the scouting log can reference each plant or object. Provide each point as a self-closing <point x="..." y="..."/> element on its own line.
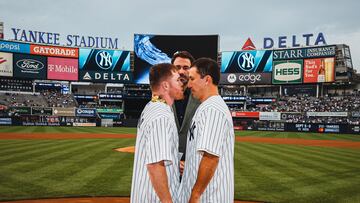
<point x="212" y="137"/>
<point x="159" y="141"/>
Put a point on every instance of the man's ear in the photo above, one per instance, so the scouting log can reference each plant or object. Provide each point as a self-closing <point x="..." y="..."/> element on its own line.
<point x="208" y="79"/>
<point x="165" y="85"/>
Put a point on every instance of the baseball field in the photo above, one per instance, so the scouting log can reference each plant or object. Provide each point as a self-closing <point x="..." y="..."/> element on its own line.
<point x="55" y="162"/>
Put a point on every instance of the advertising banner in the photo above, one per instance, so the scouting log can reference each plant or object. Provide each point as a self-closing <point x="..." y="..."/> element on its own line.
<point x="355" y="114"/>
<point x="246" y="62"/>
<point x="245" y="114"/>
<point x="42" y="111"/>
<point x="110" y="116"/>
<point x="301" y="53"/>
<point x="20" y="110"/>
<point x="109" y="110"/>
<point x="54" y="51"/>
<point x="85" y="112"/>
<point x="29" y="66"/>
<point x="14" y="47"/>
<point x="105" y="66"/>
<point x="6" y="64"/>
<point x="327" y="114"/>
<point x="270" y="116"/>
<point x="109" y="97"/>
<point x="84" y="124"/>
<point x="287" y="72"/>
<point x="153" y="49"/>
<point x="64" y="111"/>
<point x="62" y="69"/>
<point x="319" y="70"/>
<point x="5" y="121"/>
<point x="245" y="78"/>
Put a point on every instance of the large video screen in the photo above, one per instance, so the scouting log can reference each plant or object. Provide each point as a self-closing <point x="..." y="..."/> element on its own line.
<point x="104" y="66"/>
<point x="153" y="49"/>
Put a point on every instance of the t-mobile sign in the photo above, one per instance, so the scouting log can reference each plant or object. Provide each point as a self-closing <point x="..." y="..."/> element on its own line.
<point x="63" y="69"/>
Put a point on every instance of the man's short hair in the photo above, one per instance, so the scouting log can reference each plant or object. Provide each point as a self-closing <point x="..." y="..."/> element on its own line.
<point x="182" y="54"/>
<point x="207" y="66"/>
<point x="159" y="73"/>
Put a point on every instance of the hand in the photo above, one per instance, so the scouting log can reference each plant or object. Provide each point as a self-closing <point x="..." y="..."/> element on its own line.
<point x="182" y="166"/>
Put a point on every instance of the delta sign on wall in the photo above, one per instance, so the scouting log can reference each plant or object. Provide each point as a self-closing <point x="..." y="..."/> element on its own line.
<point x="287" y="72"/>
<point x="104" y="66"/>
<point x="62" y="69"/>
<point x="246" y="67"/>
<point x="29" y="66"/>
<point x="6" y="64"/>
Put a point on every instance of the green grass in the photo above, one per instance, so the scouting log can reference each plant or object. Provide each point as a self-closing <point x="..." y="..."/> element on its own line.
<point x="301" y="135"/>
<point x="90" y="167"/>
<point x="58" y="129"/>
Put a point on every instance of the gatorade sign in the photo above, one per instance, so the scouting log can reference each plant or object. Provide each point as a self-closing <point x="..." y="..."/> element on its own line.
<point x="287" y="72"/>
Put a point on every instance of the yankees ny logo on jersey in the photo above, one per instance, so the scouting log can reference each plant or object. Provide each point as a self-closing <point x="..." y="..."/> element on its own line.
<point x="193" y="126"/>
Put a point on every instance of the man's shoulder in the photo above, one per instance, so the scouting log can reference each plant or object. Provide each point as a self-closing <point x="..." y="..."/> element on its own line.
<point x="214" y="103"/>
<point x="157" y="110"/>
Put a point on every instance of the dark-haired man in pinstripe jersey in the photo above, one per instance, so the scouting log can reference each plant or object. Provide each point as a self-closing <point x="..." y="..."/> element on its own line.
<point x="209" y="169"/>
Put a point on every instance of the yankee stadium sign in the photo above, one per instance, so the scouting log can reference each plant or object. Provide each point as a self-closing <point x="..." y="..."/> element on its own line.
<point x="70" y="40"/>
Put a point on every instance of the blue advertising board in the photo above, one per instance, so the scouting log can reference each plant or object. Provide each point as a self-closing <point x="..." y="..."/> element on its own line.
<point x="14" y="47"/>
<point x="97" y="65"/>
<point x="246" y="62"/>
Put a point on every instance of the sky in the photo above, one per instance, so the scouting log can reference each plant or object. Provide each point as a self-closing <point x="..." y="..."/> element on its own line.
<point x="233" y="20"/>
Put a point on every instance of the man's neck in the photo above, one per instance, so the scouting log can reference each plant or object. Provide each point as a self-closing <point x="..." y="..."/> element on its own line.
<point x="211" y="91"/>
<point x="168" y="100"/>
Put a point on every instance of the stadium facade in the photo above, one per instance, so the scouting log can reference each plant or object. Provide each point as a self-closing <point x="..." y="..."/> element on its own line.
<point x="306" y="89"/>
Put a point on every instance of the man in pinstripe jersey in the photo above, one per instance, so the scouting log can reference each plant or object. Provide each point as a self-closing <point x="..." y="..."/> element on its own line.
<point x="209" y="169"/>
<point x="156" y="163"/>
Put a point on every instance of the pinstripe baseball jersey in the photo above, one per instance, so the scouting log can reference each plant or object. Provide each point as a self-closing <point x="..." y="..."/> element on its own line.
<point x="211" y="131"/>
<point x="156" y="140"/>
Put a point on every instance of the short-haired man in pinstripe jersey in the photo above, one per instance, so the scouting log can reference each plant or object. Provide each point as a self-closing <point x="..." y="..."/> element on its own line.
<point x="209" y="169"/>
<point x="156" y="163"/>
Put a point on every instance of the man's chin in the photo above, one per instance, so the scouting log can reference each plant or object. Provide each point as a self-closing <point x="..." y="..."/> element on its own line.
<point x="180" y="97"/>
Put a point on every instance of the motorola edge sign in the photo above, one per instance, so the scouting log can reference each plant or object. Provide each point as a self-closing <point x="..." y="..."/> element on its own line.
<point x="245" y="78"/>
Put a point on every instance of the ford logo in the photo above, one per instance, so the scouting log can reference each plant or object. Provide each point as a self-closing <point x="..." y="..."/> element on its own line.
<point x="30" y="64"/>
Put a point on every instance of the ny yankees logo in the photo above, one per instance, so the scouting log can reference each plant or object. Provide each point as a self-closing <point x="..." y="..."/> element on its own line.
<point x="193" y="126"/>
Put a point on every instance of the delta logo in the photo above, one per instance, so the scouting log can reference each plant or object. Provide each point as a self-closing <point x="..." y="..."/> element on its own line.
<point x="2" y="60"/>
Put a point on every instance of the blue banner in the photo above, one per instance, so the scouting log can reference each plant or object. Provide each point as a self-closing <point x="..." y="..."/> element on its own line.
<point x="104" y="66"/>
<point x="246" y="62"/>
<point x="14" y="47"/>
